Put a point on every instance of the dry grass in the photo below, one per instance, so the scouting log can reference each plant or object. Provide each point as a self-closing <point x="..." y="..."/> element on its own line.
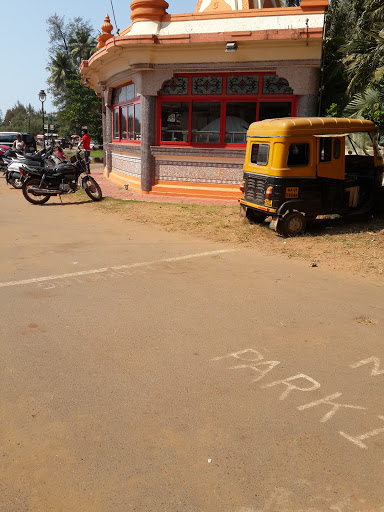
<point x="349" y="245"/>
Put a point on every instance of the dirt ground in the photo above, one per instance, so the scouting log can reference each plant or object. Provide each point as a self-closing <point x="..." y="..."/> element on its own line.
<point x="147" y="370"/>
<point x="353" y="245"/>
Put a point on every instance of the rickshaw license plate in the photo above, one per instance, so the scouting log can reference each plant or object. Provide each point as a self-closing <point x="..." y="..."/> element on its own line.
<point x="268" y="202"/>
<point x="291" y="192"/>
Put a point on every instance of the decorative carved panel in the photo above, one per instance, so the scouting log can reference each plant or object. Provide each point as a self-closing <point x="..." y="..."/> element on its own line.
<point x="207" y="85"/>
<point x="273" y="84"/>
<point x="242" y="84"/>
<point x="175" y="86"/>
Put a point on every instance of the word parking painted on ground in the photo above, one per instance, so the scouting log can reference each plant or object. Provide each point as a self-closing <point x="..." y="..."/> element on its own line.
<point x="254" y="360"/>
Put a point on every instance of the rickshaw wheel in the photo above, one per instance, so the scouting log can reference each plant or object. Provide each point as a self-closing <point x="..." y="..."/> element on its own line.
<point x="292" y="224"/>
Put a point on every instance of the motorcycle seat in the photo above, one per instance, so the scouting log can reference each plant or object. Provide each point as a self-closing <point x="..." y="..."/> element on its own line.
<point x="34" y="158"/>
<point x="31" y="161"/>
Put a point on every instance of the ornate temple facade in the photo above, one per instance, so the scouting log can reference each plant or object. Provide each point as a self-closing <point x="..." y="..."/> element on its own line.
<point x="179" y="91"/>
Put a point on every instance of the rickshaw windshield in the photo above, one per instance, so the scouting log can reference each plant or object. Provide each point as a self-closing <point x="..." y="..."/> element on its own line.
<point x="359" y="143"/>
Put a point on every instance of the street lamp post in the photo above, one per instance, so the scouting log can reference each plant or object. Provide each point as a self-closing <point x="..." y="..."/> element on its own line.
<point x="42" y="98"/>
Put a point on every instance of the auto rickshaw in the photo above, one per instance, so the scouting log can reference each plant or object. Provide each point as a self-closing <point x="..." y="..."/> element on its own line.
<point x="297" y="168"/>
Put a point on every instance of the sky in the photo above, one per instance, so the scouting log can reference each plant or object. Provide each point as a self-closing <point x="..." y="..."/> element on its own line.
<point x="24" y="41"/>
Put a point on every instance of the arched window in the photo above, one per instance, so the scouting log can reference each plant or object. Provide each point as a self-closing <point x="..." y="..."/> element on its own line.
<point x="126" y="114"/>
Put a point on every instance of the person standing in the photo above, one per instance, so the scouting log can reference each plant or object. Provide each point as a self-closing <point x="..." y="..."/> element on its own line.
<point x="19" y="144"/>
<point x="60" y="153"/>
<point x="86" y="143"/>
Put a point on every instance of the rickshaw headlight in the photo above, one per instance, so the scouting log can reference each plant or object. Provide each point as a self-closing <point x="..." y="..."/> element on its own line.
<point x="268" y="193"/>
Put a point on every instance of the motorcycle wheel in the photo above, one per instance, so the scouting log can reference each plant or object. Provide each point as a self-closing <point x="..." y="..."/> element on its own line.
<point x="93" y="189"/>
<point x="16" y="182"/>
<point x="33" y="197"/>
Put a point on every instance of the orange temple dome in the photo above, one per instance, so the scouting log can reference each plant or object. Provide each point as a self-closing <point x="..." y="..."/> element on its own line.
<point x="148" y="10"/>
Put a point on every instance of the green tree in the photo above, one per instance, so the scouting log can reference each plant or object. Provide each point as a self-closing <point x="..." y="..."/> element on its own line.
<point x="82" y="108"/>
<point x="334" y="78"/>
<point x="58" y="35"/>
<point x="82" y="44"/>
<point x="61" y="68"/>
<point x="369" y="105"/>
<point x="21" y="118"/>
<point x="70" y="43"/>
<point x="353" y="57"/>
<point x="338" y="28"/>
<point x="364" y="58"/>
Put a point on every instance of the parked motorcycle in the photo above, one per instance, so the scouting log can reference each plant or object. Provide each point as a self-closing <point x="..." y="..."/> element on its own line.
<point x="14" y="159"/>
<point x="66" y="178"/>
<point x="3" y="160"/>
<point x="10" y="168"/>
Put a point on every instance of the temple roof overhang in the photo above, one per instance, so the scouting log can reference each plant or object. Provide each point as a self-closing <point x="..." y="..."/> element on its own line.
<point x="267" y="35"/>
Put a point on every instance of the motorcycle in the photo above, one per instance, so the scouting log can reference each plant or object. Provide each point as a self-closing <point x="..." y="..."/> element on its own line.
<point x="13" y="160"/>
<point x="66" y="178"/>
<point x="10" y="168"/>
<point x="3" y="160"/>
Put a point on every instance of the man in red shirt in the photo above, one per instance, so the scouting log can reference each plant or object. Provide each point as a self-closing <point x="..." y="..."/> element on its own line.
<point x="86" y="141"/>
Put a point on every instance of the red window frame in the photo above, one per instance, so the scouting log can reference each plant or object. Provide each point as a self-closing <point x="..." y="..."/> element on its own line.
<point x="125" y="104"/>
<point x="223" y="99"/>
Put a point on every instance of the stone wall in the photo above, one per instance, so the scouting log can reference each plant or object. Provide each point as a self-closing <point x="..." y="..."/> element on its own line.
<point x="196" y="165"/>
<point x="127" y="164"/>
<point x="199" y="172"/>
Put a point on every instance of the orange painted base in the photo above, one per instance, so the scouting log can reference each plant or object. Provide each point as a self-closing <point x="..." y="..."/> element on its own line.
<point x="122" y="180"/>
<point x="188" y="189"/>
<point x="176" y="188"/>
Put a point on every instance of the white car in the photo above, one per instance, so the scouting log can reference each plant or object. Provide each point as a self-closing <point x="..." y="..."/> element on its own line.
<point x="94" y="145"/>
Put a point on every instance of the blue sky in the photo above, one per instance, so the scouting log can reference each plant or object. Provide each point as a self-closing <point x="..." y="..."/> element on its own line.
<point x="24" y="41"/>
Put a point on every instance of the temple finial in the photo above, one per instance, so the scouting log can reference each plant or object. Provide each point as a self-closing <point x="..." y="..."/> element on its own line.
<point x="107" y="28"/>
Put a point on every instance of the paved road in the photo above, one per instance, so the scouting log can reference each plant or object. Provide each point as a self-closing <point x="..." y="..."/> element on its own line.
<point x="147" y="371"/>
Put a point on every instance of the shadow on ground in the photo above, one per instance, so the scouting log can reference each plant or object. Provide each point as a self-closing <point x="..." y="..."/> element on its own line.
<point x="342" y="225"/>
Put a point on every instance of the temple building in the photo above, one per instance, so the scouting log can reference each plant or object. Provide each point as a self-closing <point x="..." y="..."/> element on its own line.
<point x="179" y="91"/>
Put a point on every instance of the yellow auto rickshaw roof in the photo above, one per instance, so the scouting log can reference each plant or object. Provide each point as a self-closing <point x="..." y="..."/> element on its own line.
<point x="291" y="126"/>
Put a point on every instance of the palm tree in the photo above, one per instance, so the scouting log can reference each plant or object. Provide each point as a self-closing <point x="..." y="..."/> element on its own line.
<point x="60" y="68"/>
<point x="364" y="58"/>
<point x="367" y="12"/>
<point x="354" y="56"/>
<point x="372" y="98"/>
<point x="82" y="44"/>
<point x="368" y="105"/>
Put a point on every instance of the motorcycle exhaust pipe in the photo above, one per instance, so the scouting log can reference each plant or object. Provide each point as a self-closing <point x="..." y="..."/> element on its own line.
<point x="44" y="191"/>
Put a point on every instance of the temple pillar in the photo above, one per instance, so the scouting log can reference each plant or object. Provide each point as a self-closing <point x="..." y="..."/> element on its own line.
<point x="148" y="139"/>
<point x="304" y="81"/>
<point x="104" y="125"/>
<point x="147" y="84"/>
<point x="107" y="130"/>
<point x="307" y="106"/>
